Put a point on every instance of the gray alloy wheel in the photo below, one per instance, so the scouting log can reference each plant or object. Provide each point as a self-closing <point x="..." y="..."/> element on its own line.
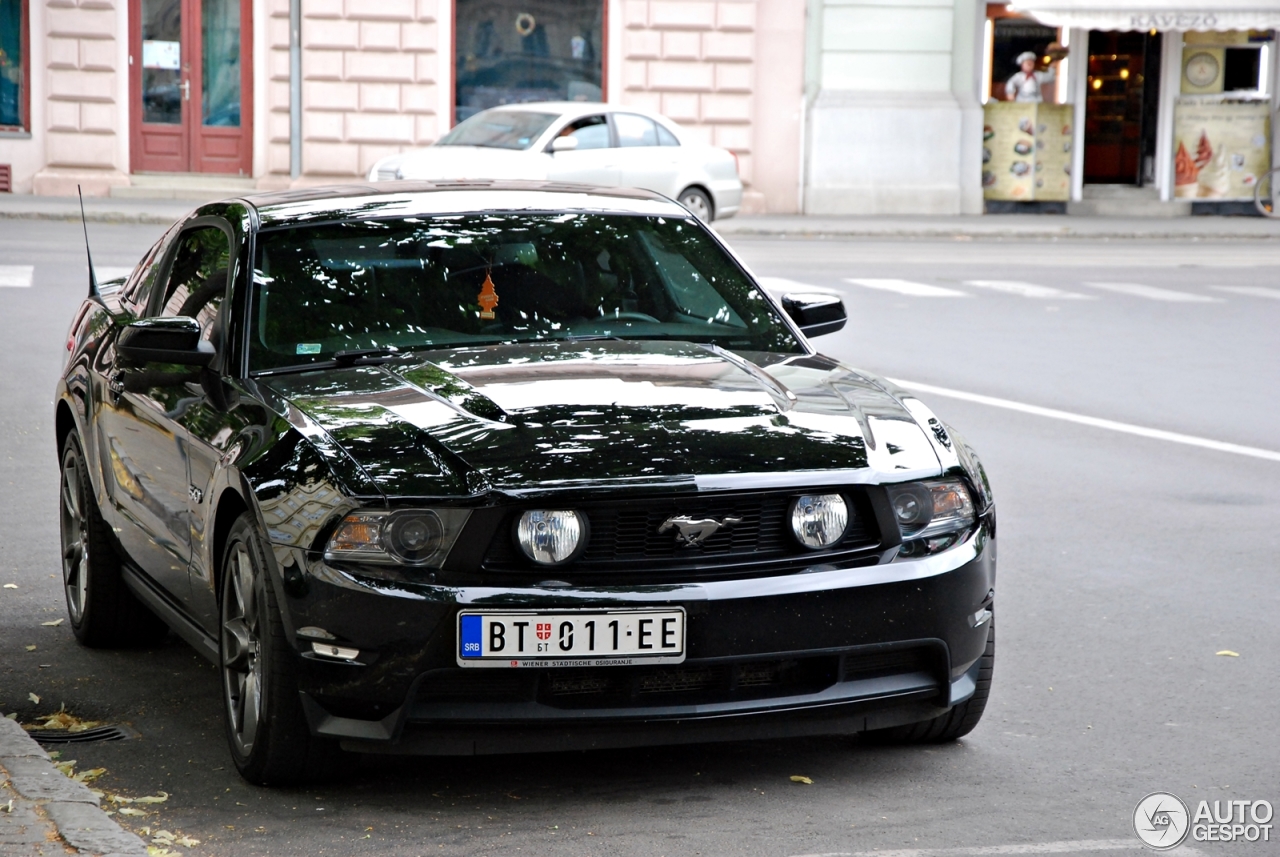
<point x="74" y="527"/>
<point x="698" y="203"/>
<point x="103" y="612"/>
<point x="267" y="732"/>
<point x="957" y="722"/>
<point x="242" y="649"/>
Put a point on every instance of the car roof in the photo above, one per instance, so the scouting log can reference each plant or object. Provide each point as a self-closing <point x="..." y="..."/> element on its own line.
<point x="367" y="200"/>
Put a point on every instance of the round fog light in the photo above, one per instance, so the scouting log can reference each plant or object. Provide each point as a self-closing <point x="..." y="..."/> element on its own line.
<point x="551" y="537"/>
<point x="819" y="520"/>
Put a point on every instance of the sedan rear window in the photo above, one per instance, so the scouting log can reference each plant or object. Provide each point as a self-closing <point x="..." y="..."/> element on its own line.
<point x="499" y="129"/>
<point x="444" y="282"/>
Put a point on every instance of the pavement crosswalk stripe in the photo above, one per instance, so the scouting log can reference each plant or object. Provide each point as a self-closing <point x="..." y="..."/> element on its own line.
<point x="16" y="276"/>
<point x="1251" y="291"/>
<point x="1111" y="425"/>
<point x="1081" y="846"/>
<point x="782" y="285"/>
<point x="907" y="287"/>
<point x="1029" y="290"/>
<point x="1138" y="290"/>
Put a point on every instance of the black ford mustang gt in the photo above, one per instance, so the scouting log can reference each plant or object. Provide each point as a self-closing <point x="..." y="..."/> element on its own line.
<point x="484" y="468"/>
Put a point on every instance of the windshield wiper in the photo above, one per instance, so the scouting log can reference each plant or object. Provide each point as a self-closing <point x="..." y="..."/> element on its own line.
<point x="366" y="356"/>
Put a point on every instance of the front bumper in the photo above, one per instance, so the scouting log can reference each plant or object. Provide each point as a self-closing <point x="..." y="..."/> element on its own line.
<point x="824" y="651"/>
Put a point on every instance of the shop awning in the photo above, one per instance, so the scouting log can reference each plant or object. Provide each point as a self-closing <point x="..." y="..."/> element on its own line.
<point x="1154" y="14"/>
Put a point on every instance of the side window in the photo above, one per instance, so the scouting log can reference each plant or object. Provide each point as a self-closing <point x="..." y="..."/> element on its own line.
<point x="665" y="137"/>
<point x="136" y="294"/>
<point x="198" y="279"/>
<point x="592" y="132"/>
<point x="635" y="130"/>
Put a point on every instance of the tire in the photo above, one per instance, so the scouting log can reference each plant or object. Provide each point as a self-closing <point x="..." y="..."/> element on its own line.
<point x="103" y="612"/>
<point x="698" y="203"/>
<point x="267" y="733"/>
<point x="957" y="722"/>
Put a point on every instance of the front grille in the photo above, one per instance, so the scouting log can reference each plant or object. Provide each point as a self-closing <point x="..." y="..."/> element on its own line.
<point x="627" y="534"/>
<point x="690" y="683"/>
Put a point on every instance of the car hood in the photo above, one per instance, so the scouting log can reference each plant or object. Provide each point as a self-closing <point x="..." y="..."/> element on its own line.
<point x="553" y="416"/>
<point x="472" y="162"/>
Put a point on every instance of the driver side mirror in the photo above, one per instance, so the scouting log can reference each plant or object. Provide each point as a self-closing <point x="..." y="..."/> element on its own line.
<point x="165" y="340"/>
<point x="815" y="314"/>
<point x="564" y="144"/>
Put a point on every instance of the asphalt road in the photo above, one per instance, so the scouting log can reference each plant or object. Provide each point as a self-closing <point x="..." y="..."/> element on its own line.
<point x="1127" y="562"/>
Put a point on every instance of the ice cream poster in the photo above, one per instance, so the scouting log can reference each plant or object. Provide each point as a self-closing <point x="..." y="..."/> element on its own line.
<point x="1026" y="151"/>
<point x="1220" y="150"/>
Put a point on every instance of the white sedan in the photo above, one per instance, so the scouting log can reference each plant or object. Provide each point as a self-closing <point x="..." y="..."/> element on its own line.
<point x="579" y="142"/>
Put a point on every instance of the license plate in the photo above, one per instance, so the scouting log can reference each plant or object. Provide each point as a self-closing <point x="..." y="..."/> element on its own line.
<point x="572" y="638"/>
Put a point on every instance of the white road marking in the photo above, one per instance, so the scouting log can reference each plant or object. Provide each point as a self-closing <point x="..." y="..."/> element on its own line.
<point x="1029" y="290"/>
<point x="1251" y="291"/>
<point x="1083" y="846"/>
<point x="907" y="287"/>
<point x="16" y="276"/>
<point x="108" y="272"/>
<point x="1138" y="290"/>
<point x="782" y="285"/>
<point x="1111" y="425"/>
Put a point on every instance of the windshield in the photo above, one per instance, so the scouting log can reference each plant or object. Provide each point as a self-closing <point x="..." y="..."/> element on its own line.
<point x="419" y="283"/>
<point x="499" y="129"/>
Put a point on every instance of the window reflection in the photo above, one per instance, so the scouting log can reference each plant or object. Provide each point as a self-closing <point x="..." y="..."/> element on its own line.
<point x="516" y="51"/>
<point x="11" y="29"/>
<point x="162" y="61"/>
<point x="220" y="29"/>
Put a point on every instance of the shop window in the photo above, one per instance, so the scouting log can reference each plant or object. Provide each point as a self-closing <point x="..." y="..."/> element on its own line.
<point x="14" y="65"/>
<point x="1010" y="38"/>
<point x="517" y="51"/>
<point x="1240" y="67"/>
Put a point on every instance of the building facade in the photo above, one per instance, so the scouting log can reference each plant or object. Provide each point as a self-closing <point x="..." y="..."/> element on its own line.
<point x="831" y="106"/>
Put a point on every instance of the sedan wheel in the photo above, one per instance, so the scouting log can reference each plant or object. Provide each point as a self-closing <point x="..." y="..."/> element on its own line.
<point x="267" y="733"/>
<point x="698" y="203"/>
<point x="103" y="612"/>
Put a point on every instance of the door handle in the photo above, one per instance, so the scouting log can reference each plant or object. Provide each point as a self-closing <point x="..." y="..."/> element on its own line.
<point x="186" y="90"/>
<point x="115" y="387"/>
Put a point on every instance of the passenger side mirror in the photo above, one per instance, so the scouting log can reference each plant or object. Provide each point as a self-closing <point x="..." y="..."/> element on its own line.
<point x="564" y="144"/>
<point x="815" y="314"/>
<point x="165" y="340"/>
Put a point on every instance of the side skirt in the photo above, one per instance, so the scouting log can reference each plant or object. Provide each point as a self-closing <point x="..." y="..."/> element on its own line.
<point x="173" y="615"/>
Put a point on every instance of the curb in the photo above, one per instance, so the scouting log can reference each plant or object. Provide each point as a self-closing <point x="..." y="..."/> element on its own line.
<point x="71" y="809"/>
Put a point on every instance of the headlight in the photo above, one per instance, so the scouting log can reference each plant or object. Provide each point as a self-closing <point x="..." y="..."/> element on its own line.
<point x="819" y="520"/>
<point x="551" y="537"/>
<point x="415" y="537"/>
<point x="926" y="509"/>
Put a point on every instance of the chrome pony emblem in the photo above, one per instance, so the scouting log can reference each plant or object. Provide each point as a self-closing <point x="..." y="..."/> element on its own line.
<point x="692" y="532"/>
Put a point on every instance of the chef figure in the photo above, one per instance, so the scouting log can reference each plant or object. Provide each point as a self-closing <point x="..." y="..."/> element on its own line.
<point x="1026" y="84"/>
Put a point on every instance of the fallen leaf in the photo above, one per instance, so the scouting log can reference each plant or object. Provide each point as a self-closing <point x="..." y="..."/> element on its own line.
<point x="89" y="775"/>
<point x="33" y="698"/>
<point x="157" y="851"/>
<point x="187" y="841"/>
<point x="11" y="586"/>
<point x="29" y="648"/>
<point x="53" y="624"/>
<point x="162" y="834"/>
<point x="13" y="716"/>
<point x="160" y="798"/>
<point x="128" y="810"/>
<point x="799" y="779"/>
<point x="66" y="767"/>
<point x="1227" y="653"/>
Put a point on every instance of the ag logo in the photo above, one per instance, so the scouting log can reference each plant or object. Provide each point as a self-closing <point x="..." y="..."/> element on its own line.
<point x="1161" y="821"/>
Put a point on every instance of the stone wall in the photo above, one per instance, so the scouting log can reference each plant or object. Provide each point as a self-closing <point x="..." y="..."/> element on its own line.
<point x="81" y="87"/>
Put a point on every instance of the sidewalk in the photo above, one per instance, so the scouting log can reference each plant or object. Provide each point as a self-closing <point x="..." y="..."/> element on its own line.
<point x="40" y="809"/>
<point x="996" y="227"/>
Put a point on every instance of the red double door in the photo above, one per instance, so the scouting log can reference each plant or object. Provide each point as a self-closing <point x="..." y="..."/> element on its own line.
<point x="191" y="86"/>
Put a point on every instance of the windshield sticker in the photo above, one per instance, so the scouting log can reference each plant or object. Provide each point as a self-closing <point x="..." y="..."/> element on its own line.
<point x="308" y="348"/>
<point x="488" y="298"/>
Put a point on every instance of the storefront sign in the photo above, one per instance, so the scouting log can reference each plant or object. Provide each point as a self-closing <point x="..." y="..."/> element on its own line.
<point x="1220" y="150"/>
<point x="1191" y="18"/>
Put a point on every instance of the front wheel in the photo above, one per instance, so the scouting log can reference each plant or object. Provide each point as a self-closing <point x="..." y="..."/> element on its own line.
<point x="957" y="722"/>
<point x="103" y="612"/>
<point x="698" y="203"/>
<point x="267" y="732"/>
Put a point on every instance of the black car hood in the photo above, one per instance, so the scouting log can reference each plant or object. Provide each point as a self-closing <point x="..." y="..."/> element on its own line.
<point x="548" y="416"/>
